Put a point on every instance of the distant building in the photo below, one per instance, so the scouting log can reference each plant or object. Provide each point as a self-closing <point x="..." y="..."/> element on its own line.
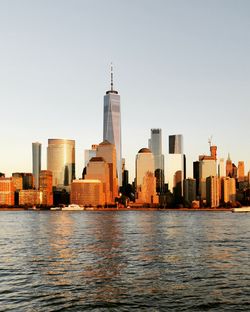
<point x="176" y="166"/>
<point x="241" y="171"/>
<point x="36" y="162"/>
<point x="6" y="192"/>
<point x="27" y="178"/>
<point x="145" y="179"/>
<point x="45" y="182"/>
<point x="106" y="150"/>
<point x="221" y="168"/>
<point x="155" y="145"/>
<point x="30" y="198"/>
<point x="213" y="191"/>
<point x="17" y="182"/>
<point x="87" y="193"/>
<point x="112" y="124"/>
<point x="61" y="162"/>
<point x="189" y="190"/>
<point x="196" y="175"/>
<point x="89" y="153"/>
<point x="229" y="167"/>
<point x="98" y="169"/>
<point x="228" y="190"/>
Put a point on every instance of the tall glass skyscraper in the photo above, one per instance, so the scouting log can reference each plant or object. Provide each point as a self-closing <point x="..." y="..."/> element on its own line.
<point x="155" y="145"/>
<point x="61" y="161"/>
<point x="112" y="124"/>
<point x="36" y="162"/>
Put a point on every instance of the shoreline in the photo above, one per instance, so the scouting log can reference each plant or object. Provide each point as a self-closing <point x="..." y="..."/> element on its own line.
<point x="126" y="209"/>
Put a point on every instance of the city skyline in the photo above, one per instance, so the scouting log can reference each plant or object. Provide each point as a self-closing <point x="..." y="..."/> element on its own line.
<point x="182" y="73"/>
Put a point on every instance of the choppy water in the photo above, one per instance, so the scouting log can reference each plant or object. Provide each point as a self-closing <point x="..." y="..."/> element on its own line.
<point x="124" y="261"/>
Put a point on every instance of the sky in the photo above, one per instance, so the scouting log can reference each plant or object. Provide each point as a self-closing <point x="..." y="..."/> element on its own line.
<point x="182" y="66"/>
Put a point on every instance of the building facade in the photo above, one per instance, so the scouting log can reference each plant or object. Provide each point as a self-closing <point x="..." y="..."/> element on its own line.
<point x="45" y="186"/>
<point x="87" y="193"/>
<point x="6" y="192"/>
<point x="61" y="162"/>
<point x="36" y="162"/>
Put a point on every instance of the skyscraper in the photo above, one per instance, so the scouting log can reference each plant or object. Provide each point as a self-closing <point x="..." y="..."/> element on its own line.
<point x="61" y="161"/>
<point x="176" y="165"/>
<point x="155" y="145"/>
<point x="36" y="162"/>
<point x="112" y="124"/>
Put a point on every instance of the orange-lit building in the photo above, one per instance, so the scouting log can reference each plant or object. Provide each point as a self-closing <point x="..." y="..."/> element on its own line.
<point x="98" y="169"/>
<point x="229" y="167"/>
<point x="6" y="192"/>
<point x="30" y="197"/>
<point x="87" y="193"/>
<point x="228" y="190"/>
<point x="28" y="179"/>
<point x="213" y="191"/>
<point x="241" y="171"/>
<point x="45" y="186"/>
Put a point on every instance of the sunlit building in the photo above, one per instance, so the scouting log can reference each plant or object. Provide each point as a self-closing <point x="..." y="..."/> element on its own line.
<point x="87" y="192"/>
<point x="221" y="168"/>
<point x="241" y="171"/>
<point x="36" y="162"/>
<point x="213" y="191"/>
<point x="27" y="178"/>
<point x="229" y="167"/>
<point x="112" y="125"/>
<point x="155" y="145"/>
<point x="189" y="190"/>
<point x="45" y="182"/>
<point x="228" y="190"/>
<point x="30" y="198"/>
<point x="6" y="191"/>
<point x="98" y="169"/>
<point x="61" y="162"/>
<point x="145" y="179"/>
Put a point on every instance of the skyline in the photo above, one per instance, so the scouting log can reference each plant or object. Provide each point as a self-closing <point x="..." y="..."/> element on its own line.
<point x="183" y="61"/>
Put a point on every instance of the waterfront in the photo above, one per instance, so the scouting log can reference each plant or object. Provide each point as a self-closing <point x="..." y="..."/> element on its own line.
<point x="123" y="261"/>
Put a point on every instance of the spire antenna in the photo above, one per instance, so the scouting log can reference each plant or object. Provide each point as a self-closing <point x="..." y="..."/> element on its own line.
<point x="111" y="76"/>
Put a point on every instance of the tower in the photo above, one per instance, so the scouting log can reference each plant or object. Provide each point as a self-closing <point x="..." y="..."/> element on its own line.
<point x="36" y="162"/>
<point x="155" y="145"/>
<point x="61" y="162"/>
<point x="112" y="124"/>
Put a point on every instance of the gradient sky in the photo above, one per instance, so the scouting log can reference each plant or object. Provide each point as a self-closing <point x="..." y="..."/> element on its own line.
<point x="180" y="65"/>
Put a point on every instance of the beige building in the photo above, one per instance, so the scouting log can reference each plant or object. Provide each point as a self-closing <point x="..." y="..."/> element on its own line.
<point x="30" y="197"/>
<point x="6" y="192"/>
<point x="98" y="169"/>
<point x="228" y="190"/>
<point x="61" y="162"/>
<point x="107" y="151"/>
<point x="213" y="191"/>
<point x="145" y="179"/>
<point x="87" y="193"/>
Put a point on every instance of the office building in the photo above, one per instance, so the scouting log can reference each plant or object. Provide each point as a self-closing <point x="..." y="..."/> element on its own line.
<point x="228" y="190"/>
<point x="6" y="192"/>
<point x="229" y="167"/>
<point x="176" y="166"/>
<point x="213" y="191"/>
<point x="89" y="153"/>
<point x="112" y="125"/>
<point x="27" y="178"/>
<point x="98" y="169"/>
<point x="107" y="151"/>
<point x="45" y="186"/>
<point x="221" y="168"/>
<point x="155" y="145"/>
<point x="241" y="171"/>
<point x="30" y="198"/>
<point x="87" y="192"/>
<point x="36" y="163"/>
<point x="189" y="190"/>
<point x="61" y="162"/>
<point x="145" y="180"/>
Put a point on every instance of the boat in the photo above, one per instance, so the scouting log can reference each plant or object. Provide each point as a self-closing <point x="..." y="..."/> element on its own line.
<point x="55" y="208"/>
<point x="72" y="207"/>
<point x="242" y="209"/>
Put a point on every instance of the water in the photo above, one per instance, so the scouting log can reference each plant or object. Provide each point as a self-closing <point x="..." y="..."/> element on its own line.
<point x="124" y="261"/>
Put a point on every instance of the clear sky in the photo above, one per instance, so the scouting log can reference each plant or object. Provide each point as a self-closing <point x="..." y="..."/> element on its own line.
<point x="183" y="66"/>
